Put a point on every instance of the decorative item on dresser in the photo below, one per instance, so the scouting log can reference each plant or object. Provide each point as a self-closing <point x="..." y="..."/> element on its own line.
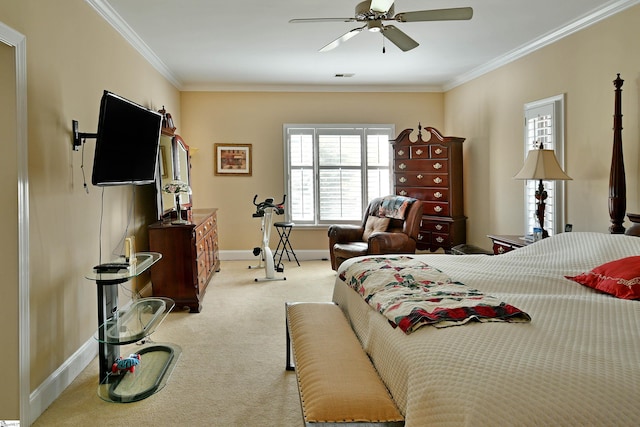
<point x="189" y="258"/>
<point x="176" y="188"/>
<point x="431" y="171"/>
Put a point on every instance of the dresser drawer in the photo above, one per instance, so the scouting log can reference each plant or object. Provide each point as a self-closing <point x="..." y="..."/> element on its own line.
<point x="426" y="165"/>
<point x="401" y="152"/>
<point x="425" y="194"/>
<point x="501" y="248"/>
<point x="434" y="226"/>
<point x="436" y="195"/>
<point x="435" y="208"/>
<point x="434" y="240"/>
<point x="420" y="152"/>
<point x="204" y="228"/>
<point x="437" y="151"/>
<point x="422" y="179"/>
<point x="440" y="240"/>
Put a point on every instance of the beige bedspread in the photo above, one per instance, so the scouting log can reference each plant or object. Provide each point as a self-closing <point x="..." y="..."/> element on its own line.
<point x="576" y="363"/>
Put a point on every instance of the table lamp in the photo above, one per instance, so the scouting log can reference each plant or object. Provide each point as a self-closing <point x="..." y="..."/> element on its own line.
<point x="176" y="188"/>
<point x="542" y="165"/>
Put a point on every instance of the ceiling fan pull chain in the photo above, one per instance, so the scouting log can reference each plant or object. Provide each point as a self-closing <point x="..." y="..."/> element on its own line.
<point x="384" y="50"/>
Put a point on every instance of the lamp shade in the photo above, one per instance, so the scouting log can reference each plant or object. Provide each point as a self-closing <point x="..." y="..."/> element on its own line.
<point x="541" y="164"/>
<point x="176" y="187"/>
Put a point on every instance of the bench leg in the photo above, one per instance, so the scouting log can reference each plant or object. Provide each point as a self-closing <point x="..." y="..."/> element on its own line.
<point x="289" y="366"/>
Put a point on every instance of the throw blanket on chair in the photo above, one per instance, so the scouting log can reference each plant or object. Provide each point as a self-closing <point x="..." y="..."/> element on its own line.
<point x="392" y="207"/>
<point x="412" y="294"/>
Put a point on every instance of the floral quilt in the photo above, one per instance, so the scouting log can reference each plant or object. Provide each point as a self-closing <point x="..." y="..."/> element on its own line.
<point x="412" y="294"/>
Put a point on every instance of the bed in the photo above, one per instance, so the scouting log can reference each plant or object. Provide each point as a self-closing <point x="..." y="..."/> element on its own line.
<point x="577" y="361"/>
<point x="573" y="359"/>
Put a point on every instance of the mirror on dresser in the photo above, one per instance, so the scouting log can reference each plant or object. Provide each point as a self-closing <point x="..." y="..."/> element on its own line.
<point x="183" y="169"/>
<point x="174" y="165"/>
<point x="167" y="204"/>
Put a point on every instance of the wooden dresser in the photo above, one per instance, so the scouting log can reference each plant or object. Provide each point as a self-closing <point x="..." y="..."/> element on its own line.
<point x="431" y="171"/>
<point x="189" y="258"/>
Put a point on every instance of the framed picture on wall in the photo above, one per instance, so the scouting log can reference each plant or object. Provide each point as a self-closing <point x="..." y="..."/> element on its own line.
<point x="232" y="159"/>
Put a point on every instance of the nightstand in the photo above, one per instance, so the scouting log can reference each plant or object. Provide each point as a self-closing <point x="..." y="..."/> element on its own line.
<point x="634" y="230"/>
<point x="503" y="243"/>
<point x="465" y="249"/>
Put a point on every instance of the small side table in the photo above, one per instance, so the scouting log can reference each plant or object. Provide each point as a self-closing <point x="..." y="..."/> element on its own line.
<point x="503" y="243"/>
<point x="284" y="231"/>
<point x="117" y="327"/>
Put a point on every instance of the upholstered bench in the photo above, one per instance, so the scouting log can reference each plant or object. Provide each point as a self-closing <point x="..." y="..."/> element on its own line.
<point x="337" y="382"/>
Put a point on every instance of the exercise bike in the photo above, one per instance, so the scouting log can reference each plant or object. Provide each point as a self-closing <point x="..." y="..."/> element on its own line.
<point x="265" y="211"/>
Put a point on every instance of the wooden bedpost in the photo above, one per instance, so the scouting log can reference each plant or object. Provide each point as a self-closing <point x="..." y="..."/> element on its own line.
<point x="617" y="183"/>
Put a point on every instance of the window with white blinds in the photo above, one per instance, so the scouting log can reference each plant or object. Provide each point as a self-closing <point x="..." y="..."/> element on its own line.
<point x="544" y="124"/>
<point x="333" y="171"/>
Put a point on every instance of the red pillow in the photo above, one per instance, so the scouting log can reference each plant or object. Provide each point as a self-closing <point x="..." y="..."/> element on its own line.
<point x="620" y="278"/>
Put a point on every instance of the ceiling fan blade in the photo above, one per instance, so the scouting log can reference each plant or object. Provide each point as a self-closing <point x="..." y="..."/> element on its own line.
<point x="305" y="20"/>
<point x="399" y="38"/>
<point x="381" y="6"/>
<point x="455" y="14"/>
<point x="337" y="42"/>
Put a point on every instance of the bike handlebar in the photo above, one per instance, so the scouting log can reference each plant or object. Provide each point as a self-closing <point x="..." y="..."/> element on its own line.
<point x="268" y="203"/>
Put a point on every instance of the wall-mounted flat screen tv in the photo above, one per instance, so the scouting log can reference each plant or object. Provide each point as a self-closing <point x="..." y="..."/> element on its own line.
<point x="127" y="143"/>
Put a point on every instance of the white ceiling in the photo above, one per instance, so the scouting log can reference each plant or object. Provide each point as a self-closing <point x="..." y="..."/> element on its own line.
<point x="250" y="45"/>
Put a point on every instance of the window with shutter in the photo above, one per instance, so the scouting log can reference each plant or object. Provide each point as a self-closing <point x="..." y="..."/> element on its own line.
<point x="333" y="171"/>
<point x="544" y="124"/>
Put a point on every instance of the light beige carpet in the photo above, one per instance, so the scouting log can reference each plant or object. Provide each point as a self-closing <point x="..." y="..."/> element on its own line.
<point x="232" y="368"/>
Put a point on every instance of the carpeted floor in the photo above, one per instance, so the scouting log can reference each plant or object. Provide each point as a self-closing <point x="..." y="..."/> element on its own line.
<point x="232" y="368"/>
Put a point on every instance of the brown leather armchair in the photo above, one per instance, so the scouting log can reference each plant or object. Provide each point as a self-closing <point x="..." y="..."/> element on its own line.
<point x="401" y="235"/>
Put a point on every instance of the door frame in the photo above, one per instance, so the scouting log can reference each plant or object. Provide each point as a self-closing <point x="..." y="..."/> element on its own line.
<point x="14" y="39"/>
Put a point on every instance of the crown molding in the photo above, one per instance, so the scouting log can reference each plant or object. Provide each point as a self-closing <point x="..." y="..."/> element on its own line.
<point x="576" y="25"/>
<point x="115" y="20"/>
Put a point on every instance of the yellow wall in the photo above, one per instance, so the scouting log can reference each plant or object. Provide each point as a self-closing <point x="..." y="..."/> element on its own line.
<point x="9" y="392"/>
<point x="72" y="56"/>
<point x="257" y="118"/>
<point x="489" y="112"/>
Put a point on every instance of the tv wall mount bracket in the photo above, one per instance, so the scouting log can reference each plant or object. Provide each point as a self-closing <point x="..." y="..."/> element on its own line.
<point x="79" y="137"/>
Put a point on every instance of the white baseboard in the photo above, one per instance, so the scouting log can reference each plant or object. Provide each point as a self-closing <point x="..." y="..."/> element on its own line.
<point x="302" y="255"/>
<point x="61" y="378"/>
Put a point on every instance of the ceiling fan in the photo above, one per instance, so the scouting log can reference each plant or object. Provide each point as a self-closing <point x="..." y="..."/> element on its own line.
<point x="373" y="12"/>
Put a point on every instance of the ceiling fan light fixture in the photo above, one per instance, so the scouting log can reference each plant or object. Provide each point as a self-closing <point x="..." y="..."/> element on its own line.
<point x="374" y="26"/>
<point x="381" y="6"/>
